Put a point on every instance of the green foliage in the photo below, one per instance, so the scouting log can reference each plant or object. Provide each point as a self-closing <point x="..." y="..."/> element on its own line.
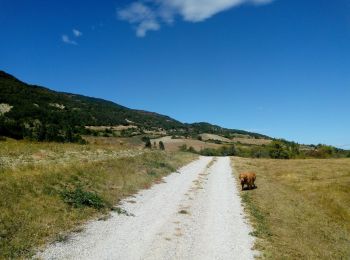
<point x="161" y="145"/>
<point x="214" y="141"/>
<point x="79" y="198"/>
<point x="278" y="150"/>
<point x="228" y="150"/>
<point x="198" y="128"/>
<point x="191" y="150"/>
<point x="222" y="151"/>
<point x="148" y="143"/>
<point x="209" y="152"/>
<point x="54" y="112"/>
<point x="41" y="114"/>
<point x="326" y="151"/>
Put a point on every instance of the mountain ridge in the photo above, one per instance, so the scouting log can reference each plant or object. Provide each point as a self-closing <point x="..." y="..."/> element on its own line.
<point x="34" y="107"/>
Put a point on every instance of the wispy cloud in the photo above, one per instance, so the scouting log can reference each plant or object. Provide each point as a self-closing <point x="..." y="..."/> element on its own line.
<point x="144" y="16"/>
<point x="149" y="15"/>
<point x="77" y="33"/>
<point x="66" y="39"/>
<point x="69" y="40"/>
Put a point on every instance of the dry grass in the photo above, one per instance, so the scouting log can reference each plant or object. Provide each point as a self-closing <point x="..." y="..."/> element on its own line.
<point x="116" y="142"/>
<point x="243" y="139"/>
<point x="174" y="144"/>
<point x="206" y="137"/>
<point x="301" y="208"/>
<point x="251" y="141"/>
<point x="20" y="153"/>
<point x="113" y="128"/>
<point x="41" y="202"/>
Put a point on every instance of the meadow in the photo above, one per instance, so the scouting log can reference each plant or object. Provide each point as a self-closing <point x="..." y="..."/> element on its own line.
<point x="301" y="208"/>
<point x="48" y="190"/>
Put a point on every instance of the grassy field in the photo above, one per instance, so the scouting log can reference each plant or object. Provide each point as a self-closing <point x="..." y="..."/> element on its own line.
<point x="42" y="201"/>
<point x="20" y="153"/>
<point x="301" y="208"/>
<point x="174" y="144"/>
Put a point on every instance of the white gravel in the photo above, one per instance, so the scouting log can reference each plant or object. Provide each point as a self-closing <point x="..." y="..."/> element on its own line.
<point x="211" y="226"/>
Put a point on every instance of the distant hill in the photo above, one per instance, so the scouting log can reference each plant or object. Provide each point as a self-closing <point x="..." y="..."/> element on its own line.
<point x="43" y="114"/>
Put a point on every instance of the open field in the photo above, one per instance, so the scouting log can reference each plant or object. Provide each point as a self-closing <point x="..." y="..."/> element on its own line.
<point x="113" y="128"/>
<point x="206" y="137"/>
<point x="40" y="202"/>
<point x="174" y="144"/>
<point x="301" y="208"/>
<point x="20" y="153"/>
<point x="251" y="141"/>
<point x="242" y="139"/>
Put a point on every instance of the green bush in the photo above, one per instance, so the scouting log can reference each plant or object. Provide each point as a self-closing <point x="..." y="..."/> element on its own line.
<point x="79" y="198"/>
<point x="222" y="151"/>
<point x="161" y="145"/>
<point x="278" y="150"/>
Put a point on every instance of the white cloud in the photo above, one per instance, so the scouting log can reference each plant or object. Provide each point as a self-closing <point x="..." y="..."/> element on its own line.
<point x="148" y="15"/>
<point x="142" y="15"/>
<point x="77" y="33"/>
<point x="66" y="39"/>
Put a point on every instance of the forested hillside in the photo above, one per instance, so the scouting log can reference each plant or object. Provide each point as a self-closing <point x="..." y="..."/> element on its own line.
<point x="38" y="113"/>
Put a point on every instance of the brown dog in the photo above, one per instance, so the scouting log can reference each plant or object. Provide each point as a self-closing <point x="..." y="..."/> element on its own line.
<point x="248" y="178"/>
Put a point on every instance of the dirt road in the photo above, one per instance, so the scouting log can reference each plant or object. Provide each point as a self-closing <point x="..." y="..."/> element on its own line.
<point x="195" y="214"/>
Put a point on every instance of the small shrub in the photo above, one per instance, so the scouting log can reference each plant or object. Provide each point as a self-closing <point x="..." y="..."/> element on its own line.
<point x="191" y="150"/>
<point x="147" y="142"/>
<point x="152" y="173"/>
<point x="79" y="198"/>
<point x="161" y="145"/>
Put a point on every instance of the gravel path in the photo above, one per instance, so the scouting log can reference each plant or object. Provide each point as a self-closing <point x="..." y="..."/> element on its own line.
<point x="195" y="214"/>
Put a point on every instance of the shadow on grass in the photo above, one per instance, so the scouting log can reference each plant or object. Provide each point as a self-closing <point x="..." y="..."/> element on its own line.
<point x="247" y="188"/>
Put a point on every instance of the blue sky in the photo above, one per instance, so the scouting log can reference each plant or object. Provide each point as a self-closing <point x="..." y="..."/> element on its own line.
<point x="280" y="68"/>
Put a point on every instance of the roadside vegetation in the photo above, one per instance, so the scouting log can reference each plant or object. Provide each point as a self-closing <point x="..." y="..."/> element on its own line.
<point x="276" y="149"/>
<point x="41" y="202"/>
<point x="301" y="208"/>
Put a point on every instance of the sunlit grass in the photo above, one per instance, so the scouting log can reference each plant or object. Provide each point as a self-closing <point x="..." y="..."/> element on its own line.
<point x="301" y="208"/>
<point x="20" y="153"/>
<point x="40" y="202"/>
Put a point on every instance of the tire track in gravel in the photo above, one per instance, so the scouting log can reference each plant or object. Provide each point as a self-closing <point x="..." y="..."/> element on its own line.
<point x="195" y="213"/>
